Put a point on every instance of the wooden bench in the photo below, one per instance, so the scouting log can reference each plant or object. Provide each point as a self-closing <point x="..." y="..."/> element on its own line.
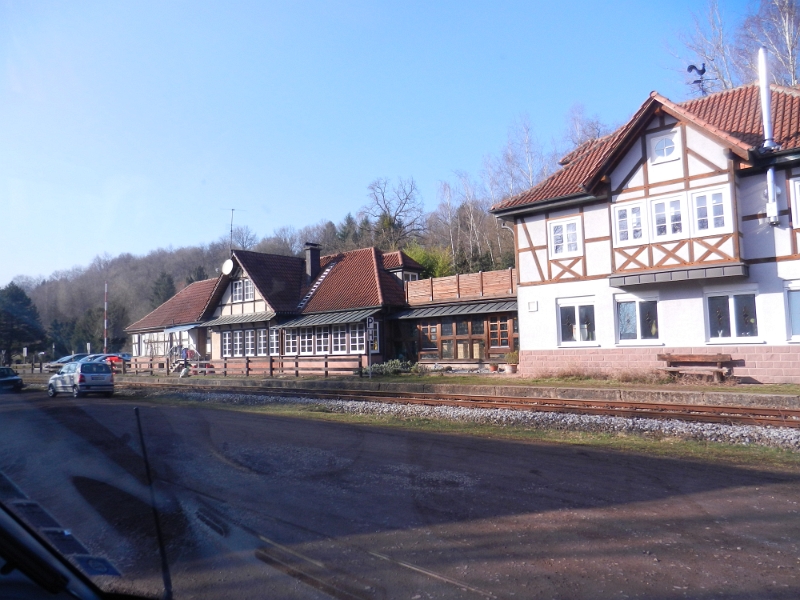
<point x="702" y="364"/>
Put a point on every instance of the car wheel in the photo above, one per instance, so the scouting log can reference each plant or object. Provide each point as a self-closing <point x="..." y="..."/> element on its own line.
<point x="51" y="391"/>
<point x="76" y="393"/>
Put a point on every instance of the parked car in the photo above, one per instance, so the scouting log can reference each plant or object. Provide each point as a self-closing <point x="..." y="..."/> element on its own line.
<point x="57" y="364"/>
<point x="80" y="378"/>
<point x="9" y="380"/>
<point x="89" y="357"/>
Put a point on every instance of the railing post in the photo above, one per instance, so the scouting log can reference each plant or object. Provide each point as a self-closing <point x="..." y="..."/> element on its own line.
<point x="296" y="367"/>
<point x="326" y="365"/>
<point x="458" y="285"/>
<point x="481" y="280"/>
<point x="225" y="367"/>
<point x="247" y="366"/>
<point x="431" y="280"/>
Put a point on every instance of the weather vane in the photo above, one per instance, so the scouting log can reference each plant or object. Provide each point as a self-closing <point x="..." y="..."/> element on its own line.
<point x="701" y="82"/>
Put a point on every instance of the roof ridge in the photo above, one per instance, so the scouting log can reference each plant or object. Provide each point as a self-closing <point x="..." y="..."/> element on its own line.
<point x="377" y="274"/>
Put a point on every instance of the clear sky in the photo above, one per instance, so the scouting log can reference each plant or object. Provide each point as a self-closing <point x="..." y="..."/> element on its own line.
<point x="128" y="126"/>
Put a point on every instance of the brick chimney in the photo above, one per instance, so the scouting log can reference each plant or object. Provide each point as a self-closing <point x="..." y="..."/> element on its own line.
<point x="312" y="260"/>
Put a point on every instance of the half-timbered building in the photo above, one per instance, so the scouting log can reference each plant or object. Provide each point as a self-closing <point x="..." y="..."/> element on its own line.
<point x="664" y="237"/>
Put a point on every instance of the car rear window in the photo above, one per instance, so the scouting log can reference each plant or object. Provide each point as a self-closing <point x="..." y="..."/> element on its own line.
<point x="5" y="372"/>
<point x="95" y="368"/>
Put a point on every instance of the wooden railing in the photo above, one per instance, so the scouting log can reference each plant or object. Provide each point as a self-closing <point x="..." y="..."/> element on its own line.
<point x="486" y="284"/>
<point x="256" y="366"/>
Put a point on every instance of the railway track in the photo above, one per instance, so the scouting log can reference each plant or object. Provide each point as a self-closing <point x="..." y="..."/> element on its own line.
<point x="735" y="415"/>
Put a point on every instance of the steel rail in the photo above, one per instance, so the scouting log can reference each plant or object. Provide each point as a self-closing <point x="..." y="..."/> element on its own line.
<point x="741" y="415"/>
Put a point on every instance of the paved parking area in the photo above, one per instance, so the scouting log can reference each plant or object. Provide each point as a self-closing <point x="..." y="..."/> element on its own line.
<point x="259" y="506"/>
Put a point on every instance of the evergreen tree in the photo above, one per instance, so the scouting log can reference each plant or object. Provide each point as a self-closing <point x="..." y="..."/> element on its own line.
<point x="163" y="289"/>
<point x="20" y="326"/>
<point x="61" y="334"/>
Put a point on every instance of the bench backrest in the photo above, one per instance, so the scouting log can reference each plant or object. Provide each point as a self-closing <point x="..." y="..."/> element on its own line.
<point x="696" y="358"/>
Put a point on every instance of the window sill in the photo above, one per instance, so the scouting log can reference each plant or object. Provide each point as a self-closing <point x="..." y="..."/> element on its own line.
<point x="734" y="341"/>
<point x="639" y="343"/>
<point x="580" y="345"/>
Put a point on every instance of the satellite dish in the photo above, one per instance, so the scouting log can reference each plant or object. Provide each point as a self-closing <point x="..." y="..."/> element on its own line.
<point x="227" y="267"/>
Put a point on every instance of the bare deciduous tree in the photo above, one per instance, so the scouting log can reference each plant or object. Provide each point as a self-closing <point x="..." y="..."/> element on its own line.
<point x="244" y="238"/>
<point x="581" y="127"/>
<point x="396" y="210"/>
<point x="728" y="49"/>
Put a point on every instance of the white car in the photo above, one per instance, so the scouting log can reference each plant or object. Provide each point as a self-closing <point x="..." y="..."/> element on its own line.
<point x="80" y="378"/>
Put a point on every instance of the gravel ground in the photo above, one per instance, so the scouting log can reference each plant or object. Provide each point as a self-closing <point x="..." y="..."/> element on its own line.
<point x="780" y="437"/>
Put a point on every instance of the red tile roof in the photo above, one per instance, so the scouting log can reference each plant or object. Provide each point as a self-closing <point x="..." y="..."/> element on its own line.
<point x="279" y="279"/>
<point x="356" y="280"/>
<point x="185" y="307"/>
<point x="734" y="116"/>
<point x="399" y="259"/>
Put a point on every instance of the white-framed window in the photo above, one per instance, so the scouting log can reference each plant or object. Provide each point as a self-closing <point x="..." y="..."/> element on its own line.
<point x="576" y="321"/>
<point x="565" y="238"/>
<point x="226" y="343"/>
<point x="290" y="341"/>
<point x="306" y="340"/>
<point x="711" y="212"/>
<point x="357" y="338"/>
<point x="410" y="276"/>
<point x="261" y="342"/>
<point x="238" y="343"/>
<point x="237" y="294"/>
<point x="323" y="341"/>
<point x="664" y="148"/>
<point x="630" y="224"/>
<point x="793" y="186"/>
<point x="135" y="344"/>
<point x="249" y="293"/>
<point x="731" y="315"/>
<point x="374" y="343"/>
<point x="793" y="310"/>
<point x="637" y="318"/>
<point x="339" y="339"/>
<point x="667" y="218"/>
<point x="250" y="342"/>
<point x="274" y="341"/>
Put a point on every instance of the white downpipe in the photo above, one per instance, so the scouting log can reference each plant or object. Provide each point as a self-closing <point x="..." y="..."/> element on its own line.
<point x="769" y="139"/>
<point x="766" y="103"/>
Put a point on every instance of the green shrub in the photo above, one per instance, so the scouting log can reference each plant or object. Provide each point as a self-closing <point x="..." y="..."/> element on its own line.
<point x="392" y="367"/>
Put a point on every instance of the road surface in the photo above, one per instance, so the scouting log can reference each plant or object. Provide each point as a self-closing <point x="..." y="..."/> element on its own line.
<point x="260" y="506"/>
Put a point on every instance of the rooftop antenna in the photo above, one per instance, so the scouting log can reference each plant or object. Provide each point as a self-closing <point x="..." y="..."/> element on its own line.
<point x="231" y="247"/>
<point x="701" y="82"/>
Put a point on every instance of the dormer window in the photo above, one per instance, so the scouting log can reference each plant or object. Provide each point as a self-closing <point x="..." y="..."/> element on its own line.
<point x="664" y="148"/>
<point x="242" y="290"/>
<point x="410" y="276"/>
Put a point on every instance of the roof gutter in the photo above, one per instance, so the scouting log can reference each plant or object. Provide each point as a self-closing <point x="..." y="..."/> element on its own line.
<point x="544" y="205"/>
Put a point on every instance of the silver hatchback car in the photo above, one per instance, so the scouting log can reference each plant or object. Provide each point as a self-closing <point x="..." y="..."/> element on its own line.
<point x="78" y="378"/>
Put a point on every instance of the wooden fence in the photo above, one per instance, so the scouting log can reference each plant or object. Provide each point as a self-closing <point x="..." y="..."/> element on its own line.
<point x="486" y="284"/>
<point x="264" y="366"/>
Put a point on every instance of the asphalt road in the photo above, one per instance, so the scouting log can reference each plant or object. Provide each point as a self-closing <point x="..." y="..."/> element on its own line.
<point x="256" y="506"/>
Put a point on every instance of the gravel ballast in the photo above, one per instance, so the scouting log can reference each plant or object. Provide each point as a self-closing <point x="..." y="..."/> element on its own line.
<point x="779" y="437"/>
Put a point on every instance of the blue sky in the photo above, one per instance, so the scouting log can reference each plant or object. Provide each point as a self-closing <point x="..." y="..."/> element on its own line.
<point x="128" y="126"/>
